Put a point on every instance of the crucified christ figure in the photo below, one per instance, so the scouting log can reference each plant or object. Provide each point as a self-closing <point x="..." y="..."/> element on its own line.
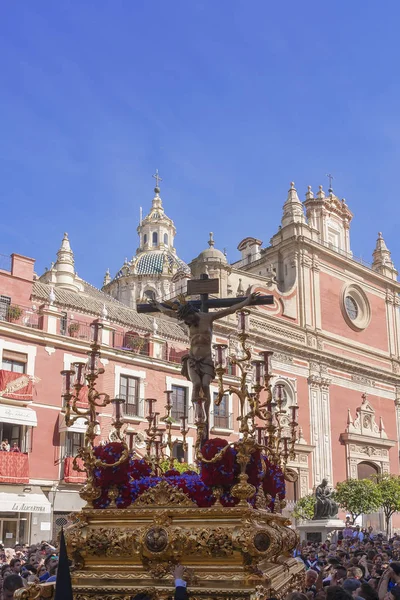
<point x="198" y="365"/>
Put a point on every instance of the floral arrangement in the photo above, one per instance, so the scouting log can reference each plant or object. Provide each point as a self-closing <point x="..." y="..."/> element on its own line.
<point x="133" y="477"/>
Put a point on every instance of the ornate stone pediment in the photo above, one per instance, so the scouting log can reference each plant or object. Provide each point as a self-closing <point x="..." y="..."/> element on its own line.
<point x="364" y="423"/>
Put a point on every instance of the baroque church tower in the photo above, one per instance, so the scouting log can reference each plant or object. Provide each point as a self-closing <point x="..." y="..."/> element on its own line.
<point x="155" y="272"/>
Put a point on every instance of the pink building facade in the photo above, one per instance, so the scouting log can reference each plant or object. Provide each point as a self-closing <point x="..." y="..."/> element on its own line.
<point x="334" y="330"/>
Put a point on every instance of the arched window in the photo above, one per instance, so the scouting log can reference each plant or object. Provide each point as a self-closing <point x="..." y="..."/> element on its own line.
<point x="150" y="295"/>
<point x="145" y="238"/>
<point x="365" y="470"/>
<point x="166" y="239"/>
<point x="155" y="238"/>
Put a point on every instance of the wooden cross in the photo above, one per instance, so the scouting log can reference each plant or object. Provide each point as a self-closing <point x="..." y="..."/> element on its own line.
<point x="203" y="287"/>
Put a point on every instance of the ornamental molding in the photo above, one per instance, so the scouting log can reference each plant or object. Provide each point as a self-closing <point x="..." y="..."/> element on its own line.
<point x="363" y="380"/>
<point x="279" y="331"/>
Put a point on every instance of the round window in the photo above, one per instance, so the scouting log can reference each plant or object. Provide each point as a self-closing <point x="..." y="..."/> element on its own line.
<point x="351" y="307"/>
<point x="355" y="307"/>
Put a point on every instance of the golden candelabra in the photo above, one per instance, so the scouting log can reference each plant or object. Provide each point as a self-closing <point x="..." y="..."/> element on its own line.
<point x="260" y="422"/>
<point x="76" y="407"/>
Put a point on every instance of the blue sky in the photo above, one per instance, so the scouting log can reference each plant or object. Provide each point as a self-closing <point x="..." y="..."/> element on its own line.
<point x="230" y="100"/>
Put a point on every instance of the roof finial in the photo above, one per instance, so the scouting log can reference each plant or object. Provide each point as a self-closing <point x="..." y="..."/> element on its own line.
<point x="158" y="179"/>
<point x="330" y="177"/>
<point x="211" y="240"/>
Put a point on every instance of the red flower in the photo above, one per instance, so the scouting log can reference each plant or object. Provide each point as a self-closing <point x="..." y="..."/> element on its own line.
<point x="220" y="473"/>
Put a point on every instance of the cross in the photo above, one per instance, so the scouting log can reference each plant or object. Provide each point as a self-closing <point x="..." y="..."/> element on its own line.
<point x="157" y="177"/>
<point x="330" y="177"/>
<point x="203" y="287"/>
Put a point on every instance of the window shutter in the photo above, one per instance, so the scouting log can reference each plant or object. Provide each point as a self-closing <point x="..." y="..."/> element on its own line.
<point x="15" y="356"/>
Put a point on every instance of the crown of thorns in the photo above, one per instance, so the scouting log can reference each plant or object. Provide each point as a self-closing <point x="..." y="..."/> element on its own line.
<point x="182" y="307"/>
<point x="185" y="310"/>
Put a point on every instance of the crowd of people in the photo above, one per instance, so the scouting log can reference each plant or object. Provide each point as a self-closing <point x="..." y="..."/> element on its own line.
<point x="361" y="565"/>
<point x="22" y="565"/>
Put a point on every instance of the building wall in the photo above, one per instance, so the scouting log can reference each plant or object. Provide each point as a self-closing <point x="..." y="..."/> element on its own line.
<point x="325" y="361"/>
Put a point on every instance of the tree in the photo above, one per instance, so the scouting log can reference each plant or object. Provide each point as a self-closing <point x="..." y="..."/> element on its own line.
<point x="358" y="496"/>
<point x="304" y="508"/>
<point x="389" y="489"/>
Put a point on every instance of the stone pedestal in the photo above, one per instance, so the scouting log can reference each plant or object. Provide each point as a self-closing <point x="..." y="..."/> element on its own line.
<point x="320" y="530"/>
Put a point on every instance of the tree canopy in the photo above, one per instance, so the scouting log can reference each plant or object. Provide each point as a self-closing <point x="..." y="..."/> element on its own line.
<point x="358" y="496"/>
<point x="389" y="491"/>
<point x="304" y="508"/>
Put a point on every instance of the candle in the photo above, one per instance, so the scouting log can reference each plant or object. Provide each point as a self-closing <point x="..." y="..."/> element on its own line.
<point x="242" y="321"/>
<point x="285" y="445"/>
<point x="258" y="371"/>
<point x="93" y="361"/>
<point x="150" y="402"/>
<point x="183" y="424"/>
<point x="259" y="434"/>
<point x="79" y="371"/>
<point x="67" y="380"/>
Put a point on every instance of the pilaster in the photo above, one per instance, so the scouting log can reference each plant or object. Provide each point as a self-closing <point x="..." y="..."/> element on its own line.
<point x="320" y="427"/>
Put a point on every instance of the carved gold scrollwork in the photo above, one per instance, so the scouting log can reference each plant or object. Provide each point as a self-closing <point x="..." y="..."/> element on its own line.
<point x="163" y="494"/>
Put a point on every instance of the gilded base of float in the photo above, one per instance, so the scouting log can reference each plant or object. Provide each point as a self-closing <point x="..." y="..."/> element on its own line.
<point x="229" y="552"/>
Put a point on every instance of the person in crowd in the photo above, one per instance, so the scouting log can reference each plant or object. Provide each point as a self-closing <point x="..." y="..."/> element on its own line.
<point x="49" y="562"/>
<point x="11" y="584"/>
<point x="15" y="448"/>
<point x="15" y="564"/>
<point x="5" y="446"/>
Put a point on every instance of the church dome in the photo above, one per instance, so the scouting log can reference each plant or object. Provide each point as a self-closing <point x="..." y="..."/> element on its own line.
<point x="212" y="254"/>
<point x="154" y="262"/>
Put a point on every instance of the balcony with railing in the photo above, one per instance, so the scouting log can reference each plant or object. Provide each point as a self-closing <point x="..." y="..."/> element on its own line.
<point x="20" y="315"/>
<point x="14" y="467"/>
<point x="131" y="342"/>
<point x="71" y="475"/>
<point x="222" y="422"/>
<point x="76" y="329"/>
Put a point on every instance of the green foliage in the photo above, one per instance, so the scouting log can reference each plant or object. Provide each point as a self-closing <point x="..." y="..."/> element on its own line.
<point x="358" y="496"/>
<point x="181" y="467"/>
<point x="304" y="508"/>
<point x="389" y="490"/>
<point x="14" y="312"/>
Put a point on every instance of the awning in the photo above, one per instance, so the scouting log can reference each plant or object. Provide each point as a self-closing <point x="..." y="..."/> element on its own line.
<point x="30" y="503"/>
<point x="17" y="415"/>
<point x="79" y="426"/>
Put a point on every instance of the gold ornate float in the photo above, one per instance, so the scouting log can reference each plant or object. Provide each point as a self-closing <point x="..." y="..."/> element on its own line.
<point x="236" y="544"/>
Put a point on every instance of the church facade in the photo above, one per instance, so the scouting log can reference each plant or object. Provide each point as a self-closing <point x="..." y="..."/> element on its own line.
<point x="333" y="327"/>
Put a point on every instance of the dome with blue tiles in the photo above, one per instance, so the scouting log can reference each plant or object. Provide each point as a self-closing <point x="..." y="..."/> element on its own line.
<point x="155" y="268"/>
<point x="154" y="262"/>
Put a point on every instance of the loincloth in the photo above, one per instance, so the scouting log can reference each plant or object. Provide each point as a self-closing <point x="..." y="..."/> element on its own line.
<point x="202" y="366"/>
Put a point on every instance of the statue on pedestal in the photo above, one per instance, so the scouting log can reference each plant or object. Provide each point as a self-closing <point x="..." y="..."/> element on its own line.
<point x="325" y="506"/>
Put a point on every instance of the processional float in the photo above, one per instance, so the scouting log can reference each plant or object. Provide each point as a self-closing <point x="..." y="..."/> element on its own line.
<point x="222" y="520"/>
